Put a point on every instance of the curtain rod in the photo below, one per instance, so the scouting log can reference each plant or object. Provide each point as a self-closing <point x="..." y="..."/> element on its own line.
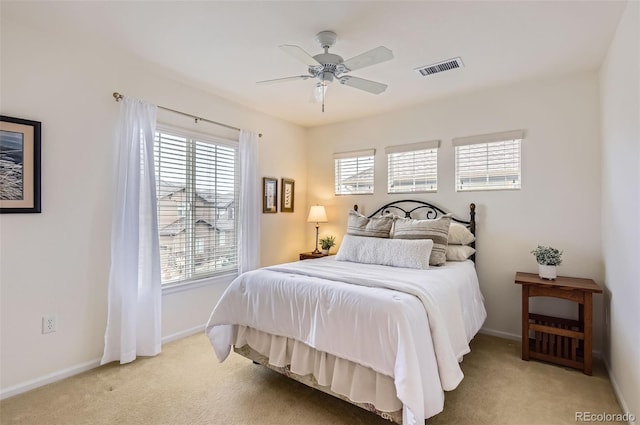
<point x="117" y="96"/>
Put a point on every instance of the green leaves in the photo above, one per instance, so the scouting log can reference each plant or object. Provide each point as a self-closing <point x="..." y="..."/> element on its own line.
<point x="547" y="256"/>
<point x="327" y="242"/>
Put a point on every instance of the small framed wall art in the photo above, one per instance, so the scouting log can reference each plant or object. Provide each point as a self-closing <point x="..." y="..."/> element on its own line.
<point x="269" y="195"/>
<point x="20" y="172"/>
<point x="288" y="195"/>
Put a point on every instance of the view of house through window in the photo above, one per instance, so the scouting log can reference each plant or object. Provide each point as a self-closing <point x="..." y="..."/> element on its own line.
<point x="412" y="168"/>
<point x="354" y="172"/>
<point x="196" y="181"/>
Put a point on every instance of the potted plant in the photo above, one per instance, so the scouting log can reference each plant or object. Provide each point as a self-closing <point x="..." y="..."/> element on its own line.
<point x="327" y="242"/>
<point x="548" y="258"/>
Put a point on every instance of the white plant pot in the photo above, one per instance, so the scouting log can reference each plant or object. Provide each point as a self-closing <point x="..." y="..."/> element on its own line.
<point x="325" y="252"/>
<point x="547" y="272"/>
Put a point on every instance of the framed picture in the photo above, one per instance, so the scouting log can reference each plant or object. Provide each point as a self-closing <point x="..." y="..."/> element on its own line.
<point x="269" y="195"/>
<point x="19" y="165"/>
<point x="288" y="194"/>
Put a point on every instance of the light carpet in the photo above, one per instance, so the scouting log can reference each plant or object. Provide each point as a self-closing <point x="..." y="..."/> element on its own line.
<point x="185" y="385"/>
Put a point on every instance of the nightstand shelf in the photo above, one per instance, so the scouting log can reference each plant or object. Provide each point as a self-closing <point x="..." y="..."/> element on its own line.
<point x="556" y="340"/>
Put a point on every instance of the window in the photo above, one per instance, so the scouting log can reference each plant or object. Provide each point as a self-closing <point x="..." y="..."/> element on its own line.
<point x="488" y="162"/>
<point x="182" y="209"/>
<point x="413" y="168"/>
<point x="196" y="180"/>
<point x="354" y="172"/>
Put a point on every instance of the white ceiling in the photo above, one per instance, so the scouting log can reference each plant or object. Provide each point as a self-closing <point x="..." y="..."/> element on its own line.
<point x="225" y="47"/>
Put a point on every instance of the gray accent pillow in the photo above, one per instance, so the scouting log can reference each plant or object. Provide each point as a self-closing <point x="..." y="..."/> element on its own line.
<point x="376" y="227"/>
<point x="413" y="254"/>
<point x="437" y="230"/>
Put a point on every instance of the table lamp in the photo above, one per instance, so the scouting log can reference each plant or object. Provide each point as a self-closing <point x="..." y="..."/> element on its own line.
<point x="318" y="215"/>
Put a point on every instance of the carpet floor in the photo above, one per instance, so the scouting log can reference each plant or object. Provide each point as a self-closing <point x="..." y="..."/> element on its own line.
<point x="185" y="385"/>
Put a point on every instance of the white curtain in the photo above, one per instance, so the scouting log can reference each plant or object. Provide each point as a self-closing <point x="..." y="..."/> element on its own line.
<point x="249" y="204"/>
<point x="133" y="323"/>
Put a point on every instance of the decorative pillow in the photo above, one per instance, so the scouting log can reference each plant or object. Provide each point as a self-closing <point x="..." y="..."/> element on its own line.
<point x="460" y="235"/>
<point x="413" y="254"/>
<point x="436" y="230"/>
<point x="376" y="227"/>
<point x="459" y="252"/>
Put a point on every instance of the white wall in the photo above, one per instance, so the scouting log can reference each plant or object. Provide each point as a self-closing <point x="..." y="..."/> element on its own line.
<point x="620" y="106"/>
<point x="559" y="203"/>
<point x="57" y="262"/>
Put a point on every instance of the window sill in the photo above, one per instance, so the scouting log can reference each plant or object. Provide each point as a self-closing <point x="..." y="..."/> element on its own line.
<point x="193" y="284"/>
<point x="412" y="192"/>
<point x="488" y="189"/>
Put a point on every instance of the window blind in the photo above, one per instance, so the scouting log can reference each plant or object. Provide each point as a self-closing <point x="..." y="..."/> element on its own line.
<point x="354" y="172"/>
<point x="488" y="162"/>
<point x="413" y="168"/>
<point x="197" y="191"/>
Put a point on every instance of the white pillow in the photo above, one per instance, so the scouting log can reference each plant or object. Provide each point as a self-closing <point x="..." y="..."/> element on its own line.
<point x="459" y="252"/>
<point x="459" y="234"/>
<point x="410" y="253"/>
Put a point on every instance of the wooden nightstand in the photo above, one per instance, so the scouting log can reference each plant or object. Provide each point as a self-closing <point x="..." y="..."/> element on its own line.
<point x="310" y="255"/>
<point x="562" y="341"/>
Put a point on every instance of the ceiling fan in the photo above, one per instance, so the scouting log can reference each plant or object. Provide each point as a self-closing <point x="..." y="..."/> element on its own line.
<point x="327" y="67"/>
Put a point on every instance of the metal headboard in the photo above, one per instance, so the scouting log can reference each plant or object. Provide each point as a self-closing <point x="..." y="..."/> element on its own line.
<point x="409" y="206"/>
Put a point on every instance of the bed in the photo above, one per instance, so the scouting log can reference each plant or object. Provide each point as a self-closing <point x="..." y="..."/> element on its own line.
<point x="376" y="325"/>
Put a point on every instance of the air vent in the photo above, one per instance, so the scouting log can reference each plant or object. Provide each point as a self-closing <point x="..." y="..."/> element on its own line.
<point x="435" y="68"/>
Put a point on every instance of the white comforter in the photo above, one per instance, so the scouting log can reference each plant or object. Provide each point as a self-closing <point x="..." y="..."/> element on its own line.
<point x="416" y="333"/>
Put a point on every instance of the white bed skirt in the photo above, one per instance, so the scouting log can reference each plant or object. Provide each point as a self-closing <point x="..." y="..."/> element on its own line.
<point x="359" y="383"/>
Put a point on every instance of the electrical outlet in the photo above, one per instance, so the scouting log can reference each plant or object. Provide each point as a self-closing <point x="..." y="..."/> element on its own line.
<point x="49" y="324"/>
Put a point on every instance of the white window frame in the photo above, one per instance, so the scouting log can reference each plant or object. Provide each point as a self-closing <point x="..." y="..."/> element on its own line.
<point x="192" y="275"/>
<point x="350" y="166"/>
<point x="494" y="164"/>
<point x="412" y="163"/>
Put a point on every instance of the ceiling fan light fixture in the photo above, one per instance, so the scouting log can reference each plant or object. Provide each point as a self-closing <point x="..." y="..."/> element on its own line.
<point x="326" y="78"/>
<point x="320" y="92"/>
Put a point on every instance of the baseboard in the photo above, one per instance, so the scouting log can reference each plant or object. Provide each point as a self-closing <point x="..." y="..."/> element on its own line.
<point x="500" y="334"/>
<point x="183" y="334"/>
<point x="83" y="367"/>
<point x="616" y="390"/>
<point x="48" y="379"/>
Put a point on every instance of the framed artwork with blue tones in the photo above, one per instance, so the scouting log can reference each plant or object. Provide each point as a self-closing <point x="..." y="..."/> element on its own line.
<point x="20" y="165"/>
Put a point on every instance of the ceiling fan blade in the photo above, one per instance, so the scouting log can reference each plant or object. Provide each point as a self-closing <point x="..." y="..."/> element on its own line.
<point x="300" y="54"/>
<point x="285" y="79"/>
<point x="372" y="57"/>
<point x="362" y="84"/>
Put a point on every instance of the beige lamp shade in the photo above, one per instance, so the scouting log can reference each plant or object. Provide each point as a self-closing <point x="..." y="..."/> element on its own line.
<point x="317" y="214"/>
